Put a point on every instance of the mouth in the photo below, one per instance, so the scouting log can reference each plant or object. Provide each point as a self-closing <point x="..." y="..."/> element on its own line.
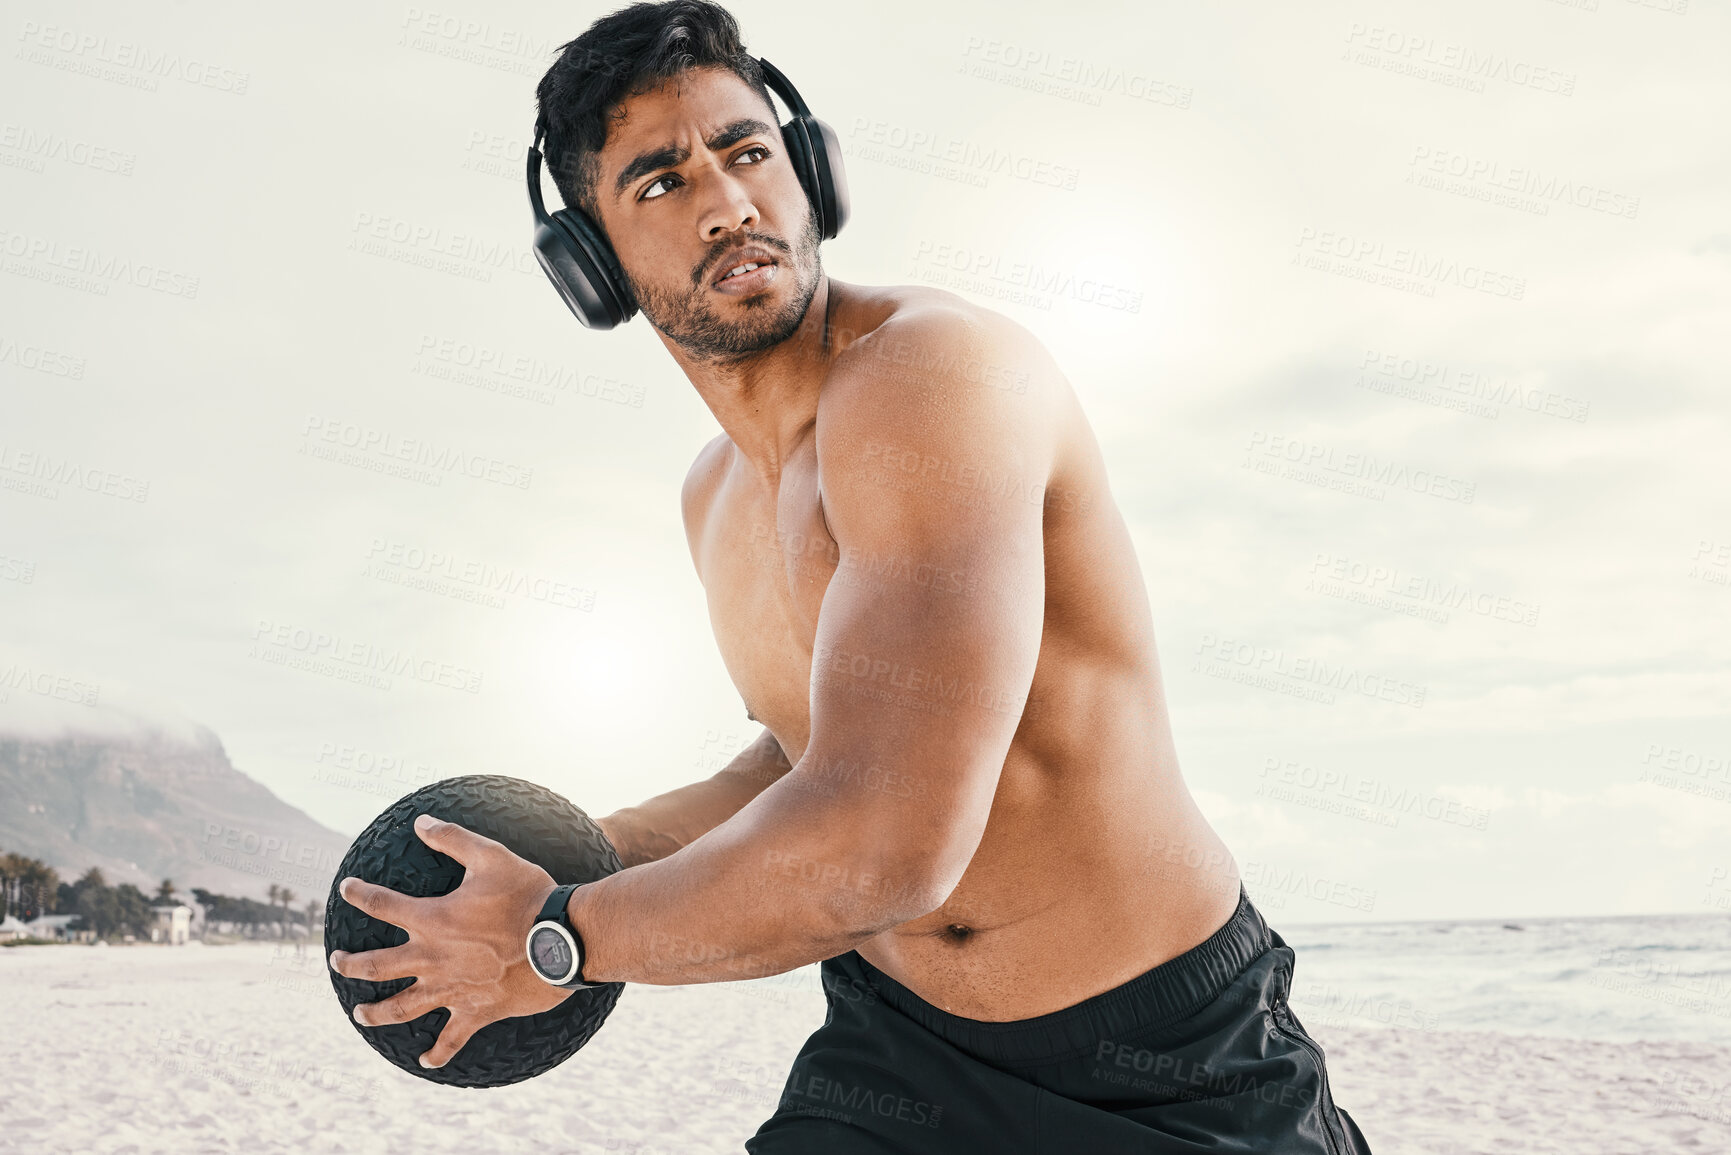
<point x="746" y="271"/>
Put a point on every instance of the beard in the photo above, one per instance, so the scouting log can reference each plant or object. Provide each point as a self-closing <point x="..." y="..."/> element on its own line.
<point x="689" y="320"/>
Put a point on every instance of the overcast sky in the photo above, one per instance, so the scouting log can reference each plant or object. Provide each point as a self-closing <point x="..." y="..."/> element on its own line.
<point x="1402" y="327"/>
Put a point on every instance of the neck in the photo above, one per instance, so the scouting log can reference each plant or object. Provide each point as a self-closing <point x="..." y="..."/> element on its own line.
<point x="766" y="401"/>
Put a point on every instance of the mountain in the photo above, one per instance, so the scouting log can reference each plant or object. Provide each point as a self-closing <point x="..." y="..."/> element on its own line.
<point x="154" y="804"/>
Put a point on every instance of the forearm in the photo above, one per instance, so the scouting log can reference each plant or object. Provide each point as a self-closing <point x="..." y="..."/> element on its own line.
<point x="783" y="883"/>
<point x="654" y="829"/>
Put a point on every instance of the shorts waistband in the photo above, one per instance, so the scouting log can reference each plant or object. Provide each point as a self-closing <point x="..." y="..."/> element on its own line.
<point x="1156" y="998"/>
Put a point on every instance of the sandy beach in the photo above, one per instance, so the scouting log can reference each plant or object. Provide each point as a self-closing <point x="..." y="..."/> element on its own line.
<point x="243" y="1049"/>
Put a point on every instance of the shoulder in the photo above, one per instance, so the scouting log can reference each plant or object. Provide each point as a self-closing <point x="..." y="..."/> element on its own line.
<point x="940" y="362"/>
<point x="940" y="389"/>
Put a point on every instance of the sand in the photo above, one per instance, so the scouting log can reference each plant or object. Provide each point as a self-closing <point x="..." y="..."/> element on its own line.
<point x="244" y="1049"/>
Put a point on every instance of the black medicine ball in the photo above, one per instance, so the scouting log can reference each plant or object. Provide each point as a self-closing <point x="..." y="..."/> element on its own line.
<point x="535" y="824"/>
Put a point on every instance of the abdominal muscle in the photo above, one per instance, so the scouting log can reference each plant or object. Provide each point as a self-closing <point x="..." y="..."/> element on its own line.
<point x="1074" y="890"/>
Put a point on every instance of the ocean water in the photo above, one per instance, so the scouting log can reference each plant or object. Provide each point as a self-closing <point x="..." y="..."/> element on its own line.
<point x="1656" y="977"/>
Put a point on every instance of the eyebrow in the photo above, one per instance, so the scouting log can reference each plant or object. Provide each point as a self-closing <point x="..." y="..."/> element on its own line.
<point x="670" y="155"/>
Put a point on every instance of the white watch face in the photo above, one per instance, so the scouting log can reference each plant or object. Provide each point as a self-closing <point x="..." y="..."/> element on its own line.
<point x="552" y="952"/>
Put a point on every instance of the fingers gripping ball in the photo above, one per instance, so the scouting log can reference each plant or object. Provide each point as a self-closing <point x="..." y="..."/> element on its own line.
<point x="534" y="823"/>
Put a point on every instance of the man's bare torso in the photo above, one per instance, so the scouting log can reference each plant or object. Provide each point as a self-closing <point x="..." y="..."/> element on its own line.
<point x="1095" y="864"/>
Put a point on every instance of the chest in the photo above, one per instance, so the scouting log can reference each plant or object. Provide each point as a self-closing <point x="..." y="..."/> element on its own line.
<point x="766" y="558"/>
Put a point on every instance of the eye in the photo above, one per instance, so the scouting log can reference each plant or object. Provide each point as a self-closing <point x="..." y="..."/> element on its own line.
<point x="649" y="192"/>
<point x="757" y="148"/>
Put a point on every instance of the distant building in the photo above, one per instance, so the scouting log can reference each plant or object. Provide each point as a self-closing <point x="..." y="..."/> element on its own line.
<point x="11" y="929"/>
<point x="173" y="924"/>
<point x="56" y="926"/>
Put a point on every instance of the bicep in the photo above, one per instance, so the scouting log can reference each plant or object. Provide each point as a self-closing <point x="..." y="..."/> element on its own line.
<point x="929" y="632"/>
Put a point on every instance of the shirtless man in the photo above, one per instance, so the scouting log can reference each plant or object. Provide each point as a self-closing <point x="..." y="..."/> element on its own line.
<point x="965" y="800"/>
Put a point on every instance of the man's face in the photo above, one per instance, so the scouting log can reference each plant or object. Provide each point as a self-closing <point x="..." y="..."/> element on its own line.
<point x="693" y="183"/>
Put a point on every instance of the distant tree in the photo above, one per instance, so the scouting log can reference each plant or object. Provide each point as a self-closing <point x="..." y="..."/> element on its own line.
<point x="95" y="904"/>
<point x="132" y="911"/>
<point x="31" y="887"/>
<point x="274" y="891"/>
<point x="165" y="890"/>
<point x="246" y="912"/>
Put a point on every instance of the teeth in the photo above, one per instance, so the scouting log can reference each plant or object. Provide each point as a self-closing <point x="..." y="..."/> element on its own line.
<point x="745" y="268"/>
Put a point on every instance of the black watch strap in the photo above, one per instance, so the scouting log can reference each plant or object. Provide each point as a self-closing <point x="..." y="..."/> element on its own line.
<point x="553" y="910"/>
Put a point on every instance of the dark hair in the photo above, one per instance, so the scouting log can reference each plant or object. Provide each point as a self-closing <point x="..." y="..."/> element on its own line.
<point x="621" y="55"/>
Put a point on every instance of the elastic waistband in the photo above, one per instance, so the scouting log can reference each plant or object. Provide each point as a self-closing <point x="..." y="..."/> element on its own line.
<point x="1164" y="995"/>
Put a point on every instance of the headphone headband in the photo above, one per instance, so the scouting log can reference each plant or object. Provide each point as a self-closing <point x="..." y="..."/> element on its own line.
<point x="783" y="87"/>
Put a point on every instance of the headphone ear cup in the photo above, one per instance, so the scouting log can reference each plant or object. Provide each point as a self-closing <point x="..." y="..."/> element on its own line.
<point x="585" y="270"/>
<point x="793" y="138"/>
<point x="601" y="250"/>
<point x="825" y="152"/>
<point x="815" y="152"/>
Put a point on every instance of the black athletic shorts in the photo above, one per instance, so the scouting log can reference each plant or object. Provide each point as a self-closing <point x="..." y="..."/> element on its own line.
<point x="1200" y="1054"/>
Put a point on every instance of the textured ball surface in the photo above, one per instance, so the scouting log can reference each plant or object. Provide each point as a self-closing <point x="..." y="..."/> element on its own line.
<point x="535" y="824"/>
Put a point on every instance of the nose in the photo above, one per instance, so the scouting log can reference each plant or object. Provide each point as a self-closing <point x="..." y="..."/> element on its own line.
<point x="727" y="207"/>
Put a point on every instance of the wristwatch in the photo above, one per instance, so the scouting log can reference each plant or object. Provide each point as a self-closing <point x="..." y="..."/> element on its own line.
<point x="554" y="947"/>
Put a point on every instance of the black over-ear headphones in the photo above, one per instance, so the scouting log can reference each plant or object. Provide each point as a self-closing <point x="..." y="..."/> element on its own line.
<point x="575" y="255"/>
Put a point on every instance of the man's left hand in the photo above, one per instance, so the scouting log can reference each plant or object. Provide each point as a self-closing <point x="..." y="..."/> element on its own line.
<point x="465" y="949"/>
